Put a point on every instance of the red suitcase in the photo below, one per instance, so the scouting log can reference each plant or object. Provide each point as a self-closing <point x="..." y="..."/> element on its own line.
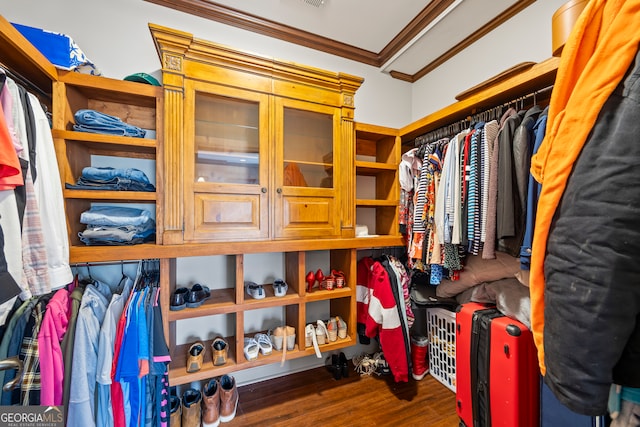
<point x="497" y="374"/>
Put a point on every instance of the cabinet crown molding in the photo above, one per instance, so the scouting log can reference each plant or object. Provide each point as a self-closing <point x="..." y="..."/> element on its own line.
<point x="171" y="42"/>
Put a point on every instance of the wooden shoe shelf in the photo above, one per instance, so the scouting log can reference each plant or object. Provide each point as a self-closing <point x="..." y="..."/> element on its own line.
<point x="231" y="304"/>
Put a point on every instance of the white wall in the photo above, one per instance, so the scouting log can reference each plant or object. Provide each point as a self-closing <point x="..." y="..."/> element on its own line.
<point x="525" y="37"/>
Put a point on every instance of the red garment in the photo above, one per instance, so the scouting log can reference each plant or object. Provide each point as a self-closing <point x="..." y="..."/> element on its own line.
<point x="117" y="397"/>
<point x="384" y="320"/>
<point x="362" y="290"/>
<point x="10" y="171"/>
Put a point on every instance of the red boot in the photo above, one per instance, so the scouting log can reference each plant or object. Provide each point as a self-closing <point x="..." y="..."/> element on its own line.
<point x="419" y="358"/>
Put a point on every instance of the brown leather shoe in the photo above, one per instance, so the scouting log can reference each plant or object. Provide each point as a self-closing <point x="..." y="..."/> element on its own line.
<point x="211" y="404"/>
<point x="219" y="349"/>
<point x="196" y="355"/>
<point x="191" y="408"/>
<point x="228" y="398"/>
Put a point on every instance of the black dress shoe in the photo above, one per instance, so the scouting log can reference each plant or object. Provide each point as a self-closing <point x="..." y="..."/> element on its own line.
<point x="344" y="365"/>
<point x="178" y="299"/>
<point x="197" y="295"/>
<point x="333" y="366"/>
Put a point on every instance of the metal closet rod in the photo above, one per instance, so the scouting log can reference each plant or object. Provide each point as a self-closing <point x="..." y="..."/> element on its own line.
<point x="20" y="79"/>
<point x="483" y="116"/>
<point x="102" y="263"/>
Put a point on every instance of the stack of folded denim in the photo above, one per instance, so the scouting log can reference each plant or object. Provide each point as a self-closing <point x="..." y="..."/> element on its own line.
<point x="106" y="178"/>
<point x="97" y="122"/>
<point x="116" y="225"/>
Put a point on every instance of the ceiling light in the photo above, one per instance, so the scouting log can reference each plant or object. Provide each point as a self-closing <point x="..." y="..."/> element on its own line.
<point x="316" y="3"/>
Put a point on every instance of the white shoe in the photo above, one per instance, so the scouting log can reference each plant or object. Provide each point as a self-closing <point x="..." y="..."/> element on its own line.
<point x="264" y="344"/>
<point x="280" y="288"/>
<point x="255" y="290"/>
<point x="251" y="349"/>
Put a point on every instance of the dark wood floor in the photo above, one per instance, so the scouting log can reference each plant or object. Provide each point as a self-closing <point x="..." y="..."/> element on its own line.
<point x="315" y="398"/>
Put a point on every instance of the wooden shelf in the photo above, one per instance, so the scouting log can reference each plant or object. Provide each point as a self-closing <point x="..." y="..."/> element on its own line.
<point x="133" y="147"/>
<point x="373" y="168"/>
<point x="80" y="254"/>
<point x="178" y="372"/>
<point x="374" y="203"/>
<point x="222" y="301"/>
<point x="120" y="196"/>
<point x="113" y="90"/>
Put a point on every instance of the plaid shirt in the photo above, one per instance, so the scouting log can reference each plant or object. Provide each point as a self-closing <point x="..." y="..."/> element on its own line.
<point x="30" y="387"/>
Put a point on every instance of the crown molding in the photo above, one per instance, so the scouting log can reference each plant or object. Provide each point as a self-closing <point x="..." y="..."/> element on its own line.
<point x="236" y="18"/>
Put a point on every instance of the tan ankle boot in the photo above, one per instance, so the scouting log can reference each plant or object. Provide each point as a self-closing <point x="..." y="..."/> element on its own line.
<point x="191" y="408"/>
<point x="228" y="398"/>
<point x="211" y="404"/>
<point x="175" y="420"/>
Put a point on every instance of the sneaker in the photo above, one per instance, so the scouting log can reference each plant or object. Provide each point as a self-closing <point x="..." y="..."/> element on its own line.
<point x="251" y="349"/>
<point x="264" y="344"/>
<point x="255" y="290"/>
<point x="280" y="288"/>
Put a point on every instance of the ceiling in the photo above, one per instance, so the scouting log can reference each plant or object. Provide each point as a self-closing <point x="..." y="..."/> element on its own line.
<point x="404" y="38"/>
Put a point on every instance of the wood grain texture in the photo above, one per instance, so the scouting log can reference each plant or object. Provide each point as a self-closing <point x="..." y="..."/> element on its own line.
<point x="314" y="398"/>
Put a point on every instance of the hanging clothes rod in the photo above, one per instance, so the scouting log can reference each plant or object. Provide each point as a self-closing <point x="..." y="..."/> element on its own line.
<point x="494" y="113"/>
<point x="105" y="263"/>
<point x="25" y="82"/>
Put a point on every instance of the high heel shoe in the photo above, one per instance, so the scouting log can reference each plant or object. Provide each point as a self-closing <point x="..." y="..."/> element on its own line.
<point x="339" y="277"/>
<point x="311" y="339"/>
<point x="332" y="329"/>
<point x="322" y="334"/>
<point x="342" y="327"/>
<point x="310" y="279"/>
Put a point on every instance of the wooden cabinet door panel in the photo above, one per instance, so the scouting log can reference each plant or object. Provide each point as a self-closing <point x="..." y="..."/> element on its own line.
<point x="224" y="217"/>
<point x="307" y="216"/>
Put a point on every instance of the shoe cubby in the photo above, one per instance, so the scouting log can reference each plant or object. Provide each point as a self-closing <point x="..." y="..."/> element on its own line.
<point x="203" y="329"/>
<point x="378" y="153"/>
<point x="266" y="321"/>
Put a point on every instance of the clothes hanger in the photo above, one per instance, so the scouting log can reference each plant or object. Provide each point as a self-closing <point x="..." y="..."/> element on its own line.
<point x="12" y="363"/>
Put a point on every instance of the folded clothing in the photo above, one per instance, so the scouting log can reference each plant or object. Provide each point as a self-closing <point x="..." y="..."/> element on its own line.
<point x="116" y="225"/>
<point x="108" y="178"/>
<point x="115" y="216"/>
<point x="96" y="122"/>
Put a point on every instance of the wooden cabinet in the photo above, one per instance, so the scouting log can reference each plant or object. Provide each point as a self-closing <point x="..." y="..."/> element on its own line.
<point x="378" y="152"/>
<point x="256" y="148"/>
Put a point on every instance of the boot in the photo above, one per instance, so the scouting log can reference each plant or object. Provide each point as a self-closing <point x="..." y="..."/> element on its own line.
<point x="191" y="408"/>
<point x="176" y="411"/>
<point x="419" y="357"/>
<point x="211" y="404"/>
<point x="228" y="398"/>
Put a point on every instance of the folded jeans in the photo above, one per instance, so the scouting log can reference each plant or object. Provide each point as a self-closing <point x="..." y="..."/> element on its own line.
<point x="115" y="216"/>
<point x="97" y="122"/>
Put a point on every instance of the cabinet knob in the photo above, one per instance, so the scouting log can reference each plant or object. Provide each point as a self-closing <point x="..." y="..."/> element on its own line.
<point x="263" y="189"/>
<point x="279" y="190"/>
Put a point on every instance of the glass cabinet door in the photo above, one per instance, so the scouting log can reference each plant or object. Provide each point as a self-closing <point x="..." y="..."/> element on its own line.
<point x="307" y="180"/>
<point x="308" y="149"/>
<point x="227" y="140"/>
<point x="227" y="161"/>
